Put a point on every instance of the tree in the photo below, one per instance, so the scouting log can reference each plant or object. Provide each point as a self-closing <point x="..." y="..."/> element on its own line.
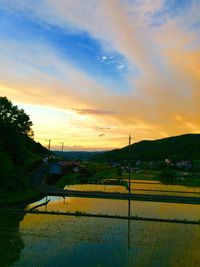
<point x="15" y="130"/>
<point x="18" y="151"/>
<point x="13" y="118"/>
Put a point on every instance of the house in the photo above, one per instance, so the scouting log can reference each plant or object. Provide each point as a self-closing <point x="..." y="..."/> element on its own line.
<point x="45" y="160"/>
<point x="55" y="168"/>
<point x="168" y="161"/>
<point x="135" y="169"/>
<point x="184" y="164"/>
<point x="63" y="167"/>
<point x="76" y="169"/>
<point x="114" y="164"/>
<point x="70" y="165"/>
<point x="138" y="162"/>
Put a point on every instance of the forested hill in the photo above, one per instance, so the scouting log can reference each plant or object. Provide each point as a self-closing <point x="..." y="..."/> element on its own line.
<point x="181" y="147"/>
<point x="18" y="151"/>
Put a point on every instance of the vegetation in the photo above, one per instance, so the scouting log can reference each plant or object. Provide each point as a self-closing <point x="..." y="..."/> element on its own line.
<point x="21" y="197"/>
<point x="93" y="173"/>
<point x="68" y="179"/>
<point x="113" y="176"/>
<point x="144" y="175"/>
<point x="18" y="151"/>
<point x="176" y="148"/>
<point x="168" y="175"/>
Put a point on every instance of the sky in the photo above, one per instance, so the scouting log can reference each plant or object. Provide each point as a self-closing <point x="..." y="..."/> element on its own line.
<point x="89" y="73"/>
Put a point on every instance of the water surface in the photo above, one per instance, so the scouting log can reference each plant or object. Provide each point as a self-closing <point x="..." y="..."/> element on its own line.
<point x="52" y="240"/>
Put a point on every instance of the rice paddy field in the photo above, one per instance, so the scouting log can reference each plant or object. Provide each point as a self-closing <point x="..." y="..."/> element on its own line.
<point x="52" y="240"/>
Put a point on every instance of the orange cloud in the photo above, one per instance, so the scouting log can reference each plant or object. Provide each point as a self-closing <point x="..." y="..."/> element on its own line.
<point x="95" y="112"/>
<point x="162" y="100"/>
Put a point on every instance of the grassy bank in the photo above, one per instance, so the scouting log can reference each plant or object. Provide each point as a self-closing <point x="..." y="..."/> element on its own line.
<point x="150" y="175"/>
<point x="121" y="217"/>
<point x="111" y="177"/>
<point x="108" y="178"/>
<point x="144" y="175"/>
<point x="18" y="198"/>
<point x="68" y="179"/>
<point x="186" y="182"/>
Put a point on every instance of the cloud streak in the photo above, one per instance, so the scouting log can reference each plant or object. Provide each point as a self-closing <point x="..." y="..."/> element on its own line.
<point x="94" y="112"/>
<point x="161" y="78"/>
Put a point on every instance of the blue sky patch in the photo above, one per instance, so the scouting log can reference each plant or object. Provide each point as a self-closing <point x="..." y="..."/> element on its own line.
<point x="80" y="49"/>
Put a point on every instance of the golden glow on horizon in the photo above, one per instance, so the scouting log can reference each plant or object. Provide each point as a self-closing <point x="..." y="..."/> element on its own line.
<point x="68" y="103"/>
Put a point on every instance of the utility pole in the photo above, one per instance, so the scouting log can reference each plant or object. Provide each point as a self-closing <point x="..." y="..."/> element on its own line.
<point x="129" y="164"/>
<point x="62" y="145"/>
<point x="129" y="187"/>
<point x="49" y="145"/>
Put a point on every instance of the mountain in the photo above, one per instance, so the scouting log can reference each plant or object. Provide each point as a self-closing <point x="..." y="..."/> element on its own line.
<point x="180" y="147"/>
<point x="76" y="155"/>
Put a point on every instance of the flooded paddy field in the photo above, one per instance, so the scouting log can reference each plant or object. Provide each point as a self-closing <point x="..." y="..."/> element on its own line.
<point x="52" y="240"/>
<point x="46" y="240"/>
<point x="156" y="187"/>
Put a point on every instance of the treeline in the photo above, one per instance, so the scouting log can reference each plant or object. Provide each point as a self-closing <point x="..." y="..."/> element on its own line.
<point x="175" y="148"/>
<point x="18" y="151"/>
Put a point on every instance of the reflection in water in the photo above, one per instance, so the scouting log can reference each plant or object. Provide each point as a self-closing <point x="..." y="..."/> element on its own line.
<point x="129" y="214"/>
<point x="164" y="189"/>
<point x="119" y="207"/>
<point x="77" y="241"/>
<point x="97" y="187"/>
<point x="11" y="242"/>
<point x="51" y="241"/>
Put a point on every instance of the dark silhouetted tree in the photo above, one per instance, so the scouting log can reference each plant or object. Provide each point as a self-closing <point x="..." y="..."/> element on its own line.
<point x="14" y="117"/>
<point x="15" y="145"/>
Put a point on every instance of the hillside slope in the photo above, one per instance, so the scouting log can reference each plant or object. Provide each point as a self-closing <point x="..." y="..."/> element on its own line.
<point x="180" y="147"/>
<point x="18" y="151"/>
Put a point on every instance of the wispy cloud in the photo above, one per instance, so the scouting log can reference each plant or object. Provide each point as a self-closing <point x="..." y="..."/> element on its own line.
<point x="155" y="50"/>
<point x="95" y="112"/>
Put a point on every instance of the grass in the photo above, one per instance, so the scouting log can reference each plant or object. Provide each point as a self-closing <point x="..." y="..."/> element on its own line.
<point x="106" y="174"/>
<point x="155" y="175"/>
<point x="18" y="198"/>
<point x="110" y="177"/>
<point x="141" y="176"/>
<point x="68" y="179"/>
<point x="144" y="175"/>
<point x="84" y="214"/>
<point x="186" y="182"/>
<point x="100" y="177"/>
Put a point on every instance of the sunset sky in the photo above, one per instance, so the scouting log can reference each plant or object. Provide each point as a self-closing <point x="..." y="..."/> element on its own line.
<point x="90" y="72"/>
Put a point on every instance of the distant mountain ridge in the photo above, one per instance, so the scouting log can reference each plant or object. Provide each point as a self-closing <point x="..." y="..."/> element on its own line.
<point x="76" y="155"/>
<point x="180" y="147"/>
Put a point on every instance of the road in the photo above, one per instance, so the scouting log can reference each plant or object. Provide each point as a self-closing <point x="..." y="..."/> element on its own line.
<point x="38" y="176"/>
